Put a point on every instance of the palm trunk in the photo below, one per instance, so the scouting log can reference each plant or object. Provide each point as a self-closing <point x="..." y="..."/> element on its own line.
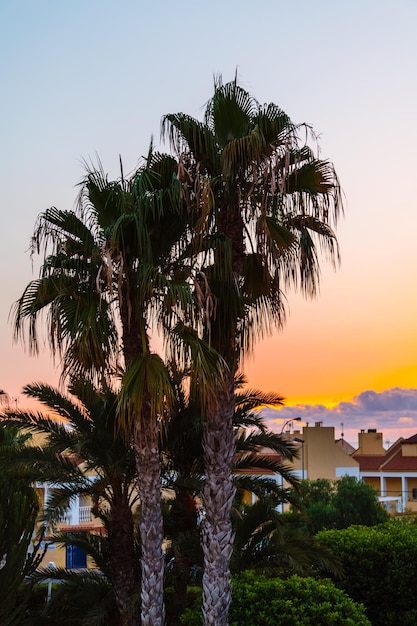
<point x="123" y="564"/>
<point x="217" y="496"/>
<point x="148" y="467"/>
<point x="219" y="437"/>
<point x="150" y="525"/>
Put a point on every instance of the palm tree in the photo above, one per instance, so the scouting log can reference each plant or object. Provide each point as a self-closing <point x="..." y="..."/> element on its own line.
<point x="20" y="551"/>
<point x="265" y="539"/>
<point x="113" y="265"/>
<point x="87" y="455"/>
<point x="84" y="596"/>
<point x="266" y="205"/>
<point x="260" y="456"/>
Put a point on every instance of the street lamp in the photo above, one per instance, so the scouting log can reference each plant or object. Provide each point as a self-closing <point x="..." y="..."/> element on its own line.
<point x="299" y="440"/>
<point x="293" y="419"/>
<point x="51" y="565"/>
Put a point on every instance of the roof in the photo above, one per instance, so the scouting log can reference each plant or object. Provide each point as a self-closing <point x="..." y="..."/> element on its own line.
<point x="369" y="462"/>
<point x="392" y="461"/>
<point x="345" y="446"/>
<point x="398" y="462"/>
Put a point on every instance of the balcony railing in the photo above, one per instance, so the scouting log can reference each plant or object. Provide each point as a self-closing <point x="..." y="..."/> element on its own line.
<point x="85" y="514"/>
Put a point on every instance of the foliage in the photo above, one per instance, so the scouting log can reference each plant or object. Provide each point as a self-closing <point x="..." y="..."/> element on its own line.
<point x="357" y="503"/>
<point x="261" y="601"/>
<point x="112" y="271"/>
<point x="193" y="598"/>
<point x="85" y="454"/>
<point x="38" y="602"/>
<point x="265" y="540"/>
<point x="267" y="206"/>
<point x="257" y="461"/>
<point x="83" y="598"/>
<point x="208" y="240"/>
<point x="380" y="566"/>
<point x="19" y="555"/>
<point x="339" y="504"/>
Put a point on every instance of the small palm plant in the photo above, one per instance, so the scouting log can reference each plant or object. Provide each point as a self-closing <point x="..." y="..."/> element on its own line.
<point x="20" y="544"/>
<point x="84" y="453"/>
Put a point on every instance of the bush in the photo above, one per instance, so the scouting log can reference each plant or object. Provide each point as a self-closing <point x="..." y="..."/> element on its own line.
<point x="259" y="601"/>
<point x="172" y="610"/>
<point x="339" y="504"/>
<point x="380" y="566"/>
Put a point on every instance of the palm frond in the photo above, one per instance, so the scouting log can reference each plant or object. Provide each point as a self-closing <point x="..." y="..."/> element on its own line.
<point x="58" y="227"/>
<point x="250" y="399"/>
<point x="147" y="377"/>
<point x="207" y="368"/>
<point x="184" y="132"/>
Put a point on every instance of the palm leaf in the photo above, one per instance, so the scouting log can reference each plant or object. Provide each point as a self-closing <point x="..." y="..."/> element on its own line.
<point x="184" y="132"/>
<point x="147" y="377"/>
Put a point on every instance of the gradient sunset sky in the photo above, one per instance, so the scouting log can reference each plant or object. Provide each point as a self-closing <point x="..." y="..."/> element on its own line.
<point x="94" y="77"/>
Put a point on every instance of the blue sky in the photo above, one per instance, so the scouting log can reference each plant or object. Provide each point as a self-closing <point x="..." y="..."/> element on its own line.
<point x="90" y="78"/>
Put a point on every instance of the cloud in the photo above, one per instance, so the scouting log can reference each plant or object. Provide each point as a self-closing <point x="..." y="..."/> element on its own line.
<point x="393" y="399"/>
<point x="393" y="412"/>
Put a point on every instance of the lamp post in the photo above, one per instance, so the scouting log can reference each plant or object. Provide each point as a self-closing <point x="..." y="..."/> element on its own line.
<point x="293" y="419"/>
<point x="299" y="440"/>
<point x="51" y="564"/>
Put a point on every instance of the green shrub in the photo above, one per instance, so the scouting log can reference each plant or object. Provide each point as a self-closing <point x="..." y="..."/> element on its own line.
<point x="380" y="566"/>
<point x="172" y="610"/>
<point x="260" y="601"/>
<point x="329" y="504"/>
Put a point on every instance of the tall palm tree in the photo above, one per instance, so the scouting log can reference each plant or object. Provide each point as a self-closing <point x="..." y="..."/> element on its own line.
<point x="110" y="270"/>
<point x="260" y="456"/>
<point x="267" y="205"/>
<point x="85" y="453"/>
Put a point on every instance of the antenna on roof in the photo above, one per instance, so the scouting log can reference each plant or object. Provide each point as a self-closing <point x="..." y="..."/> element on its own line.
<point x="343" y="434"/>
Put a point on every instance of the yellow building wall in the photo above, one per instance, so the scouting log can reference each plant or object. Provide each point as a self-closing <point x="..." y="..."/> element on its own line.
<point x="393" y="486"/>
<point x="321" y="454"/>
<point x="409" y="449"/>
<point x="56" y="553"/>
<point x="370" y="442"/>
<point x="373" y="482"/>
<point x="412" y="484"/>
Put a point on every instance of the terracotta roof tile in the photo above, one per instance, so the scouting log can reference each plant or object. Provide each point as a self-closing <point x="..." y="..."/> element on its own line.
<point x="400" y="463"/>
<point x="369" y="462"/>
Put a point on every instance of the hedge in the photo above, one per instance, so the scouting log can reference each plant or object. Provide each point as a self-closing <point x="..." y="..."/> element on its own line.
<point x="260" y="601"/>
<point x="380" y="566"/>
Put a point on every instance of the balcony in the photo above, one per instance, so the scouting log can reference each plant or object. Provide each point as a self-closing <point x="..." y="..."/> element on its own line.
<point x="84" y="513"/>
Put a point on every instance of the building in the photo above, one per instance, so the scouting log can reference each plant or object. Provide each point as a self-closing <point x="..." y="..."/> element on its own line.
<point x="78" y="517"/>
<point x="393" y="472"/>
<point x="321" y="456"/>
